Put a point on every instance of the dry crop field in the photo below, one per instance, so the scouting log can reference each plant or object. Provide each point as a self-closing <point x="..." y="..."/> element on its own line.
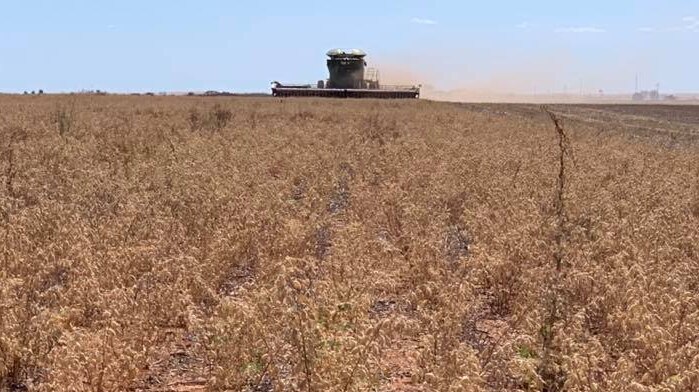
<point x="231" y="244"/>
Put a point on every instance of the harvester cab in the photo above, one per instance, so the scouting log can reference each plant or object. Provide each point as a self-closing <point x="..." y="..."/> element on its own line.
<point x="348" y="78"/>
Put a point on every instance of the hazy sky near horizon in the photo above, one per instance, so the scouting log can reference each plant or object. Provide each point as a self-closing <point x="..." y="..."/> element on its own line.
<point x="501" y="46"/>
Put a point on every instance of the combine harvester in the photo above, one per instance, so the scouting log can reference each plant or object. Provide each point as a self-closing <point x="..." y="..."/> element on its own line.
<point x="348" y="79"/>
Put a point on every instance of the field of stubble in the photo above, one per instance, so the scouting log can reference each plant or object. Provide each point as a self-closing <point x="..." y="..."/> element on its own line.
<point x="191" y="244"/>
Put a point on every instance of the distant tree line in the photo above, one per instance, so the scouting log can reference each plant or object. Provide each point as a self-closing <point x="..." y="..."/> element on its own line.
<point x="87" y="92"/>
<point x="91" y="92"/>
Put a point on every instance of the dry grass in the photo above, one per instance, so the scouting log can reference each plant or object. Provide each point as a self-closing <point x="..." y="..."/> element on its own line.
<point x="260" y="245"/>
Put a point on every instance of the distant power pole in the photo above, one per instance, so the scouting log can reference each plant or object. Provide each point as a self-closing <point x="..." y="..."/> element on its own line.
<point x="636" y="90"/>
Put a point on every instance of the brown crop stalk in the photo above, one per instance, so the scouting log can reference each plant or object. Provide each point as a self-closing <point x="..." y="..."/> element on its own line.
<point x="362" y="356"/>
<point x="16" y="135"/>
<point x="553" y="378"/>
<point x="306" y="361"/>
<point x="301" y="335"/>
<point x="10" y="172"/>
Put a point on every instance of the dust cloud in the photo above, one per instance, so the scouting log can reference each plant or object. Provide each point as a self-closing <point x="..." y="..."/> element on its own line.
<point x="557" y="76"/>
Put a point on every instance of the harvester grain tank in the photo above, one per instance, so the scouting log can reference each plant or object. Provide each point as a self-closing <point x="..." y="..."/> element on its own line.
<point x="348" y="78"/>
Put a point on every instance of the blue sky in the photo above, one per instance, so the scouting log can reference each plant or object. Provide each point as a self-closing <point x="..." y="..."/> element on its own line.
<point x="518" y="46"/>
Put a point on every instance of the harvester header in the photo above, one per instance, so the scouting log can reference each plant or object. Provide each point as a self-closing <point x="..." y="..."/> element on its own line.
<point x="348" y="78"/>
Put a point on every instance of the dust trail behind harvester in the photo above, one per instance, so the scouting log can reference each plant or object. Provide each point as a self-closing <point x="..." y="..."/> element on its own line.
<point x="554" y="77"/>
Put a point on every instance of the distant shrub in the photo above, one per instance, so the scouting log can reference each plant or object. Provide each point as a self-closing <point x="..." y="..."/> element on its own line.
<point x="64" y="118"/>
<point x="194" y="119"/>
<point x="215" y="120"/>
<point x="220" y="117"/>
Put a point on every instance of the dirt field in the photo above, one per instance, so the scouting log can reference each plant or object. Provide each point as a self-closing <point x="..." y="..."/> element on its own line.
<point x="191" y="244"/>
